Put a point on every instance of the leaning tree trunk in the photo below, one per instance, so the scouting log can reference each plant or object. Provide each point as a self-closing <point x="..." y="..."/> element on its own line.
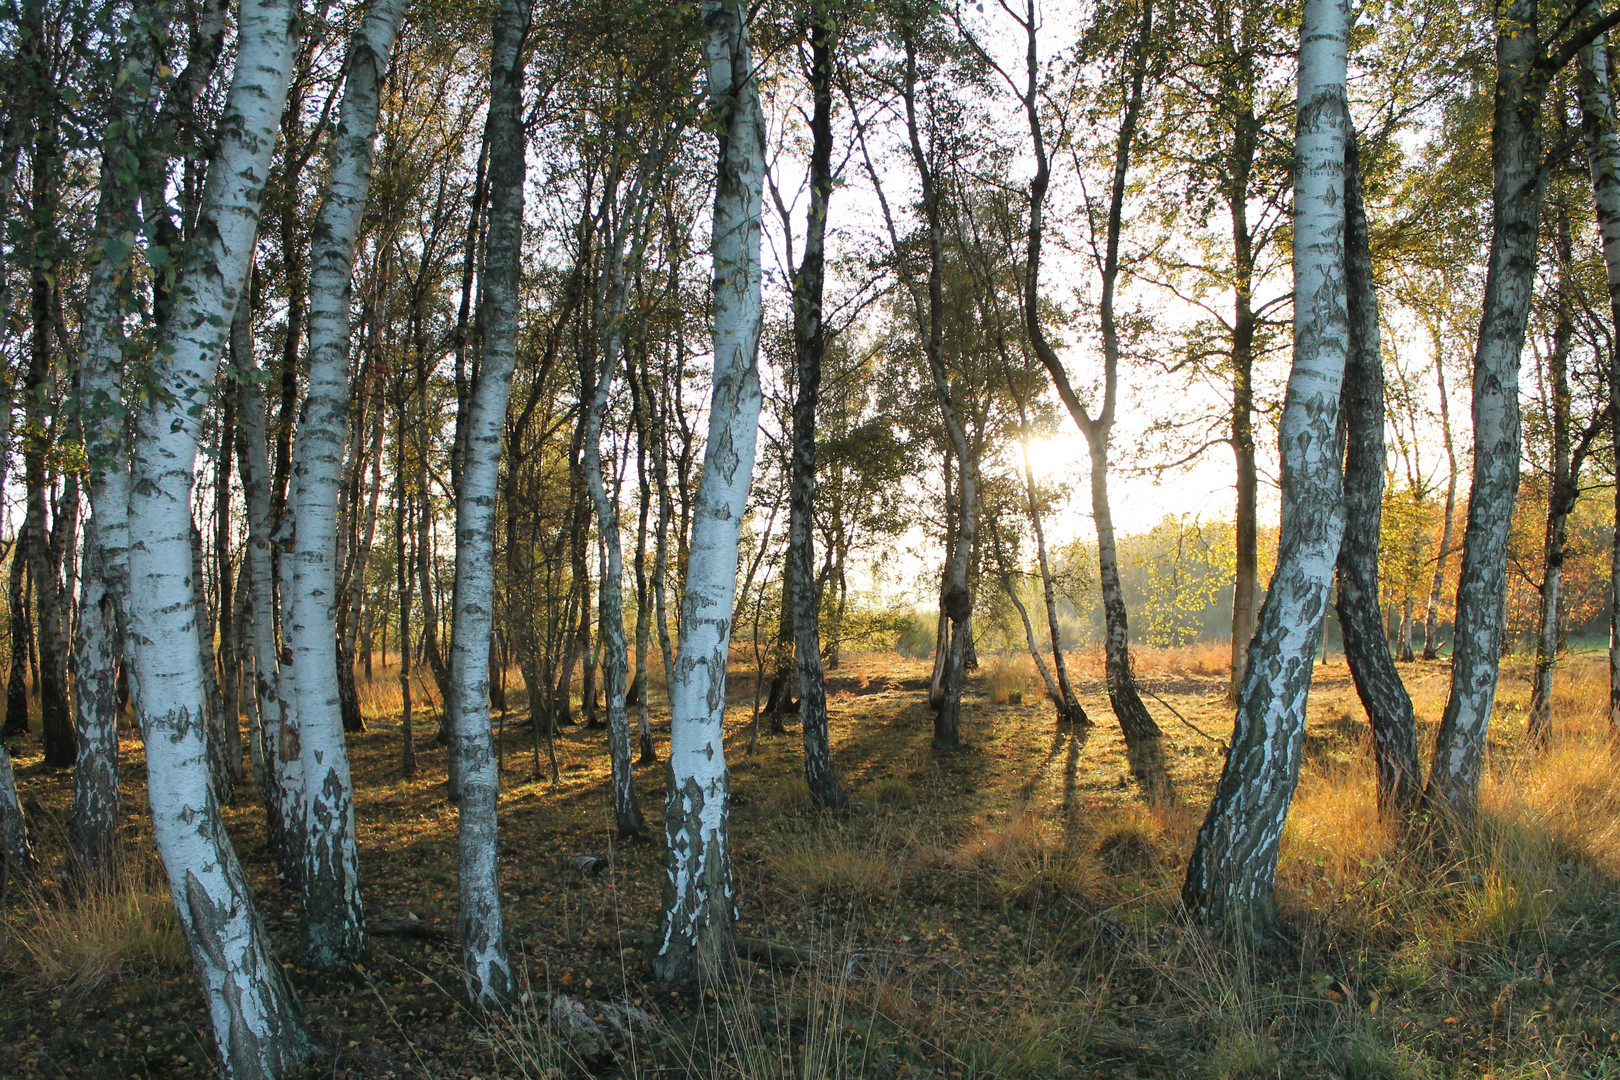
<point x="485" y="968"/>
<point x="1452" y="790"/>
<point x="699" y="903"/>
<point x="257" y="1023"/>
<point x="105" y="581"/>
<point x="15" y="850"/>
<point x="1366" y="650"/>
<point x="1231" y="876"/>
<point x="810" y="346"/>
<point x="1602" y="137"/>
<point x="334" y="919"/>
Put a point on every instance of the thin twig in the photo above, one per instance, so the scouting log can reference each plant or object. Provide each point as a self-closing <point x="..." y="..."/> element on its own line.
<point x="1184" y="720"/>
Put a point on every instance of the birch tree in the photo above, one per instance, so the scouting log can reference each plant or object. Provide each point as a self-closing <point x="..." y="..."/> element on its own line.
<point x="1366" y="649"/>
<point x="1231" y="876"/>
<point x="1143" y="739"/>
<point x="1525" y="66"/>
<point x="256" y="1020"/>
<point x="334" y="921"/>
<point x="699" y="904"/>
<point x="1601" y="137"/>
<point x="810" y="345"/>
<point x="485" y="969"/>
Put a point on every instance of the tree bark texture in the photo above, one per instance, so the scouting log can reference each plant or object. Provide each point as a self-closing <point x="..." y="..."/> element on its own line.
<point x="485" y="967"/>
<point x="810" y="346"/>
<point x="1231" y="876"/>
<point x="334" y="917"/>
<point x="256" y="1019"/>
<point x="1519" y="182"/>
<point x="1366" y="650"/>
<point x="699" y="906"/>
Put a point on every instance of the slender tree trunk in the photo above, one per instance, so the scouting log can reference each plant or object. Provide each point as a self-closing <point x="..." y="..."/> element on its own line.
<point x="1601" y="134"/>
<point x="801" y="597"/>
<point x="1366" y="651"/>
<point x="1143" y="739"/>
<point x="334" y="918"/>
<point x="282" y="786"/>
<point x="699" y="908"/>
<point x="483" y="948"/>
<point x="15" y="850"/>
<point x="1231" y="875"/>
<point x="1519" y="182"/>
<point x="94" y="823"/>
<point x="257" y="1024"/>
<point x="403" y="574"/>
<point x="1054" y="693"/>
<point x="644" y="496"/>
<point x="21" y="631"/>
<point x="1561" y="495"/>
<point x="615" y="653"/>
<point x="1431" y="617"/>
<point x="228" y="671"/>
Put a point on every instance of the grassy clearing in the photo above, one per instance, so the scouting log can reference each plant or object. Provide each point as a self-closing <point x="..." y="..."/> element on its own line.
<point x="1009" y="911"/>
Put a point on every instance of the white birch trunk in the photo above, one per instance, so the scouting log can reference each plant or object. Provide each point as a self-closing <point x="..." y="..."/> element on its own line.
<point x="483" y="947"/>
<point x="699" y="894"/>
<point x="1602" y="137"/>
<point x="1519" y="182"/>
<point x="255" y="1016"/>
<point x="1231" y="876"/>
<point x="334" y="919"/>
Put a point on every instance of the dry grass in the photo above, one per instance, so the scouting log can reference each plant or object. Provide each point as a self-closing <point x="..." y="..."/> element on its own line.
<point x="1022" y="860"/>
<point x="825" y="862"/>
<point x="1009" y="678"/>
<point x="1008" y="911"/>
<point x="78" y="947"/>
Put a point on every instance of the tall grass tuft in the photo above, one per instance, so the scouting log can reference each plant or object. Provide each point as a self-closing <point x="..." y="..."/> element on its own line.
<point x="79" y="946"/>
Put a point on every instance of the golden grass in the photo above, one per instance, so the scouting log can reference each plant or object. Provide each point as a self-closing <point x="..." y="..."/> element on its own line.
<point x="1009" y="678"/>
<point x="77" y="947"/>
<point x="1021" y="860"/>
<point x="824" y="862"/>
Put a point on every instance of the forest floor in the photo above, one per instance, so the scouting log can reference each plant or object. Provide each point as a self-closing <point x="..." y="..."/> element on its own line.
<point x="1006" y="911"/>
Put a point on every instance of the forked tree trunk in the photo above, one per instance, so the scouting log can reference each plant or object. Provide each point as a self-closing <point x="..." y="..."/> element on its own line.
<point x="484" y="964"/>
<point x="1143" y="739"/>
<point x="1231" y="876"/>
<point x="256" y="1020"/>
<point x="699" y="904"/>
<point x="1519" y="182"/>
<point x="1366" y="650"/>
<point x="810" y="346"/>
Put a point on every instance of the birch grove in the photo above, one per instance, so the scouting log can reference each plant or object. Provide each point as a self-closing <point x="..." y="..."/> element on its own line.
<point x="413" y="422"/>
